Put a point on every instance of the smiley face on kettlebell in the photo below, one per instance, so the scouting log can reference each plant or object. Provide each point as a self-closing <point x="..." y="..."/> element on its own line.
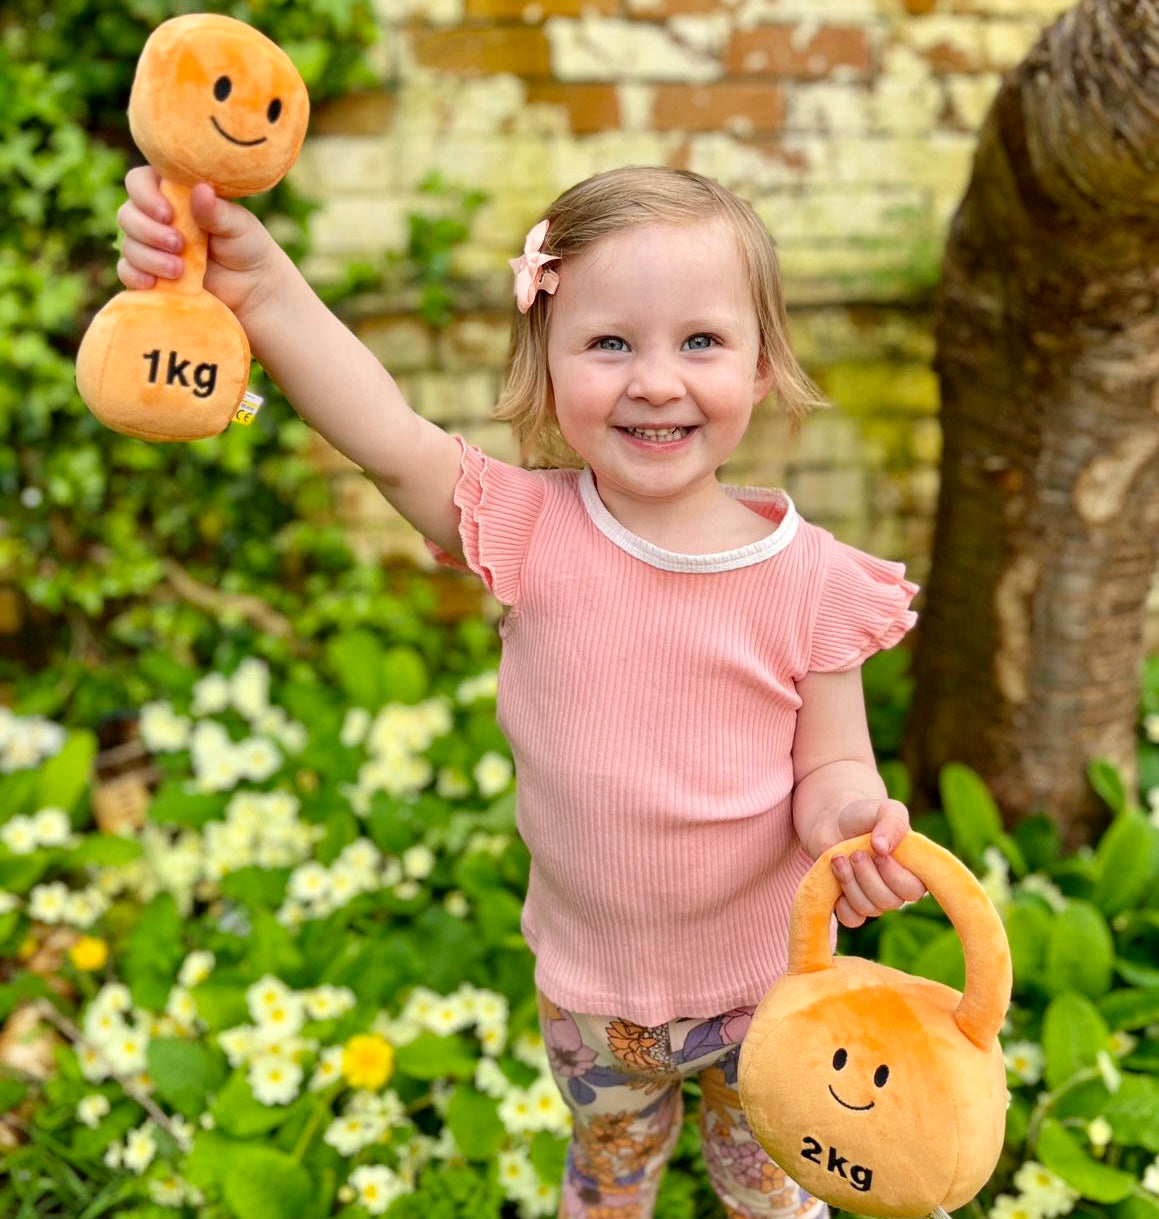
<point x="854" y="1082"/>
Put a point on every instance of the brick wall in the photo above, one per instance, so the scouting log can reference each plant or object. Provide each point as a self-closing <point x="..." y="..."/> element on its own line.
<point x="849" y="124"/>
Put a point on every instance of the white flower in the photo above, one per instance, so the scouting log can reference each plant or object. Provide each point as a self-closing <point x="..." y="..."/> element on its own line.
<point x="210" y="695"/>
<point x="196" y="967"/>
<point x="1122" y="1043"/>
<point x="377" y="1187"/>
<point x="350" y="1133"/>
<point x="168" y="1190"/>
<point x="456" y="904"/>
<point x="52" y="826"/>
<point x="19" y="835"/>
<point x="48" y="903"/>
<point x="1151" y="726"/>
<point x="275" y="1080"/>
<point x="1151" y="1177"/>
<point x="237" y="1043"/>
<point x="83" y="908"/>
<point x="1006" y="1206"/>
<point x="492" y="774"/>
<point x="309" y="883"/>
<point x="249" y="688"/>
<point x="328" y="1070"/>
<point x="8" y="902"/>
<point x="516" y="1112"/>
<point x="140" y="1148"/>
<point x="354" y="727"/>
<point x="92" y="1064"/>
<point x="1044" y="1190"/>
<point x="113" y="1155"/>
<point x="127" y="1050"/>
<point x="162" y="729"/>
<point x="452" y="784"/>
<point x="258" y="759"/>
<point x="282" y="1019"/>
<point x="418" y="862"/>
<point x="182" y="1007"/>
<point x="490" y="1080"/>
<point x="1050" y="893"/>
<point x="1025" y="1059"/>
<point x="90" y="1109"/>
<point x="328" y="1002"/>
<point x="475" y="689"/>
<point x="1100" y="1133"/>
<point x="266" y="992"/>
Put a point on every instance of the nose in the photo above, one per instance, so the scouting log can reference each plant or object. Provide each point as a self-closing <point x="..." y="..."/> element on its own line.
<point x="655" y="379"/>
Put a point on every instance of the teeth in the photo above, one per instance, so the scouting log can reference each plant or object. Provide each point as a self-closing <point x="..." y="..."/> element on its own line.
<point x="664" y="433"/>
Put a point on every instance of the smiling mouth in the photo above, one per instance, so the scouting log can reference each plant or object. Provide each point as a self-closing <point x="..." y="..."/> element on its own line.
<point x="233" y="139"/>
<point x="855" y="1108"/>
<point x="657" y="434"/>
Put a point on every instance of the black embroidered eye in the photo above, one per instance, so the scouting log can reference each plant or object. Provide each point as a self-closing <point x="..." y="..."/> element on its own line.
<point x="840" y="1059"/>
<point x="222" y="88"/>
<point x="881" y="1075"/>
<point x="275" y="111"/>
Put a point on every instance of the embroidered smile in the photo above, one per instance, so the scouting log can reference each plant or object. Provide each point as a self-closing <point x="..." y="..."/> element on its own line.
<point x="855" y="1108"/>
<point x="657" y="433"/>
<point x="232" y="138"/>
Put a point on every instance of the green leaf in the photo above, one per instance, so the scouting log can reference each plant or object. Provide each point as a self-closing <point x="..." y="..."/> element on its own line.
<point x="1133" y="1111"/>
<point x="1130" y="1009"/>
<point x="975" y="821"/>
<point x="1139" y="1206"/>
<point x="1109" y="785"/>
<point x="237" y="1112"/>
<point x="103" y="851"/>
<point x="1127" y="862"/>
<point x="65" y="776"/>
<point x="1064" y="1155"/>
<point x="221" y="1004"/>
<point x="404" y="676"/>
<point x="1028" y="928"/>
<point x="474" y="1121"/>
<point x="433" y="1057"/>
<point x="154" y="953"/>
<point x="267" y="1184"/>
<point x="1073" y="1033"/>
<point x="942" y="960"/>
<point x="185" y="1073"/>
<point x="357" y="658"/>
<point x="1080" y="954"/>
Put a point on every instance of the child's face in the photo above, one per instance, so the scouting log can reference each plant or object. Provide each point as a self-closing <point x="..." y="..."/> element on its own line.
<point x="654" y="358"/>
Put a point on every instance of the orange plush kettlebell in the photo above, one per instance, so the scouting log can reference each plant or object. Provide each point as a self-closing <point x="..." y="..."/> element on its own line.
<point x="879" y="1092"/>
<point x="213" y="100"/>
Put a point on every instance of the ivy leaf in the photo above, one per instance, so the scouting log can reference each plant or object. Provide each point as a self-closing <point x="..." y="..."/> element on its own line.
<point x="474" y="1121"/>
<point x="65" y="776"/>
<point x="433" y="1057"/>
<point x="1063" y="1155"/>
<point x="1126" y="863"/>
<point x="268" y="1184"/>
<point x="184" y="1073"/>
<point x="975" y="821"/>
<point x="1080" y="954"/>
<point x="1073" y="1033"/>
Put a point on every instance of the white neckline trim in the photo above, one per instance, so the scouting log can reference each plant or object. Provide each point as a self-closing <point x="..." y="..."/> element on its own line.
<point x="670" y="560"/>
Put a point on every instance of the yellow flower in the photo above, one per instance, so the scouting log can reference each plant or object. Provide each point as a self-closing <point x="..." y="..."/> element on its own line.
<point x="89" y="953"/>
<point x="367" y="1061"/>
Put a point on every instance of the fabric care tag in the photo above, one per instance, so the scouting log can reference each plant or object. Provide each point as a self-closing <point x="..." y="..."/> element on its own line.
<point x="249" y="406"/>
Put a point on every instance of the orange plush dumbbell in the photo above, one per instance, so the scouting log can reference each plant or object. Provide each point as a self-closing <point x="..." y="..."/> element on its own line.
<point x="213" y="100"/>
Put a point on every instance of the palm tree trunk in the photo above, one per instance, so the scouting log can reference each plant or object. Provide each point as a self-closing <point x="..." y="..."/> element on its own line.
<point x="1047" y="535"/>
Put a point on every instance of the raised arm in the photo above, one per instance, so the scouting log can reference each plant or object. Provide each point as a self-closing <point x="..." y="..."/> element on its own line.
<point x="332" y="379"/>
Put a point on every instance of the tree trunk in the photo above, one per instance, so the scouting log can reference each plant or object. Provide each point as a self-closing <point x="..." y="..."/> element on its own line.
<point x="1047" y="539"/>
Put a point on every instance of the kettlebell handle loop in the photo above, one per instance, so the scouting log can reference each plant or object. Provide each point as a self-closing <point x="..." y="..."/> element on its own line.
<point x="989" y="976"/>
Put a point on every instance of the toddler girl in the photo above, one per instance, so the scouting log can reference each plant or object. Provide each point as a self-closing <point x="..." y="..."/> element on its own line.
<point x="680" y="669"/>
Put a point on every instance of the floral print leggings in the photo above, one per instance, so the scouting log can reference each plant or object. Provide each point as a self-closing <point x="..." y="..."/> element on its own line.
<point x="622" y="1083"/>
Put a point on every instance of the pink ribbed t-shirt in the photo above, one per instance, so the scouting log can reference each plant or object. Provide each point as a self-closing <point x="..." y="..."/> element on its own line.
<point x="650" y="701"/>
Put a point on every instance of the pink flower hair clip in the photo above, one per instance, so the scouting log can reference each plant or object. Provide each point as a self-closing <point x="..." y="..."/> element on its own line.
<point x="531" y="272"/>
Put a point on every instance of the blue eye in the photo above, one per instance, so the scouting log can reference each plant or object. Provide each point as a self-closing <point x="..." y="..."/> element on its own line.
<point x="700" y="342"/>
<point x="611" y="343"/>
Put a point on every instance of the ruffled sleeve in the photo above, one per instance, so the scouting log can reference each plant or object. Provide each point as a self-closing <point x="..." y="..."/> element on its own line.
<point x="863" y="608"/>
<point x="499" y="505"/>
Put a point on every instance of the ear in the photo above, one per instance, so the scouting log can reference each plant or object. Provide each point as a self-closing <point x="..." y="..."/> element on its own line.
<point x="763" y="383"/>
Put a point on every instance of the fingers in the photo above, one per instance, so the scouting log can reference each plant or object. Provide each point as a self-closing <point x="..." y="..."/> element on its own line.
<point x="873" y="884"/>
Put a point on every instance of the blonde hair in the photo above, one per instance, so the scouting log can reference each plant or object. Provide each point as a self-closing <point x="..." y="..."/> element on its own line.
<point x="609" y="203"/>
